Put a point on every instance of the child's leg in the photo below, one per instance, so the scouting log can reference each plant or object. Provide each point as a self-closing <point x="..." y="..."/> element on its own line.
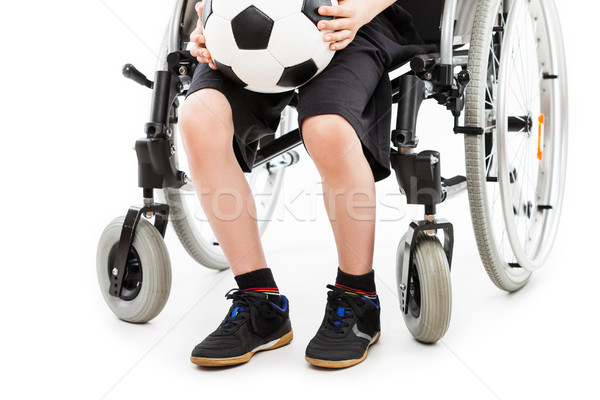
<point x="258" y="319"/>
<point x="206" y="124"/>
<point x="351" y="322"/>
<point x="349" y="188"/>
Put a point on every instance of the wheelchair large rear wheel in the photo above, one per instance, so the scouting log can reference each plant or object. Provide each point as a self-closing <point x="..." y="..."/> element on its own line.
<point x="186" y="214"/>
<point x="516" y="169"/>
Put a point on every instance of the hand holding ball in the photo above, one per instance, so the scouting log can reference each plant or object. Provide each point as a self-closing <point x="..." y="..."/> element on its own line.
<point x="267" y="46"/>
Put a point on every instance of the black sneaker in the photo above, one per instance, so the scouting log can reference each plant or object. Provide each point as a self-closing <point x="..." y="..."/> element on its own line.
<point x="253" y="324"/>
<point x="350" y="326"/>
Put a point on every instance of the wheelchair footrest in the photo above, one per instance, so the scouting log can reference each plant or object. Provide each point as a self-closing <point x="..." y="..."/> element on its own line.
<point x="454" y="186"/>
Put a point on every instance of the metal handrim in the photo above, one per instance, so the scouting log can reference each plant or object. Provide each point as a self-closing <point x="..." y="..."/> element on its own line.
<point x="530" y="165"/>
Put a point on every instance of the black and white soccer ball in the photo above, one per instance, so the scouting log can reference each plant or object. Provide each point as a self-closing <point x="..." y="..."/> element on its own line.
<point x="267" y="46"/>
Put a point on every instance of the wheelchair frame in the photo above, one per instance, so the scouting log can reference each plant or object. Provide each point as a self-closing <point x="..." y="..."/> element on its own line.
<point x="425" y="76"/>
<point x="157" y="169"/>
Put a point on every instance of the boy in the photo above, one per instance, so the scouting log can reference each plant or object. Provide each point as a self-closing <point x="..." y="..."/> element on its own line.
<point x="344" y="118"/>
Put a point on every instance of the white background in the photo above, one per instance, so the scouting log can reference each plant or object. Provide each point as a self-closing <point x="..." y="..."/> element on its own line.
<point x="69" y="121"/>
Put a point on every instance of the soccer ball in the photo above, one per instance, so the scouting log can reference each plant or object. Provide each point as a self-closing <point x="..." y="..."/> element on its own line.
<point x="267" y="46"/>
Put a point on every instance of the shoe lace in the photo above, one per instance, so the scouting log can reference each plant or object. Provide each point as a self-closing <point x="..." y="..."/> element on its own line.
<point x="246" y="305"/>
<point x="341" y="309"/>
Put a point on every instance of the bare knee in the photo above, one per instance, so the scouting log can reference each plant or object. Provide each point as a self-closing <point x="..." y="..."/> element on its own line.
<point x="205" y="121"/>
<point x="330" y="140"/>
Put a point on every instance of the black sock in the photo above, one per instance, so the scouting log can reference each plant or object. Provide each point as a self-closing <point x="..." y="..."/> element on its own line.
<point x="363" y="285"/>
<point x="260" y="281"/>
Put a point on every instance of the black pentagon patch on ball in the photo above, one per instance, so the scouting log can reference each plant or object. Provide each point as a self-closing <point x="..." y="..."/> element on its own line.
<point x="298" y="74"/>
<point x="228" y="72"/>
<point x="252" y="29"/>
<point x="206" y="12"/>
<point x="310" y="8"/>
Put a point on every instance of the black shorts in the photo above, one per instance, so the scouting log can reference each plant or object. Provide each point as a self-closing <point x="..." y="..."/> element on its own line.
<point x="355" y="85"/>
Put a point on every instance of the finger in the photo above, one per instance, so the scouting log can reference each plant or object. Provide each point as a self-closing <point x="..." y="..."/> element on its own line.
<point x="202" y="53"/>
<point x="198" y="38"/>
<point x="337" y="35"/>
<point x="199" y="51"/>
<point x="199" y="7"/>
<point x="334" y="24"/>
<point x="199" y="26"/>
<point x="336" y="11"/>
<point x="212" y="65"/>
<point x="340" y="45"/>
<point x="198" y="31"/>
<point x="205" y="60"/>
<point x="195" y="50"/>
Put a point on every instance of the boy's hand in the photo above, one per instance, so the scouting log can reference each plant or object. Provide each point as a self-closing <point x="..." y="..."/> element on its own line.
<point x="349" y="17"/>
<point x="198" y="40"/>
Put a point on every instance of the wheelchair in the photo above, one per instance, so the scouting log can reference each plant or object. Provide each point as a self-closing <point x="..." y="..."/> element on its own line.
<point x="499" y="69"/>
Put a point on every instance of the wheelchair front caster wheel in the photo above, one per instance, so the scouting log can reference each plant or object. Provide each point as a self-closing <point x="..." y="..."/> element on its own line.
<point x="147" y="280"/>
<point x="429" y="292"/>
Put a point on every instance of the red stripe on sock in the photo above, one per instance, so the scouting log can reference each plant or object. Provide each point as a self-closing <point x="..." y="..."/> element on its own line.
<point x="357" y="291"/>
<point x="272" y="290"/>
